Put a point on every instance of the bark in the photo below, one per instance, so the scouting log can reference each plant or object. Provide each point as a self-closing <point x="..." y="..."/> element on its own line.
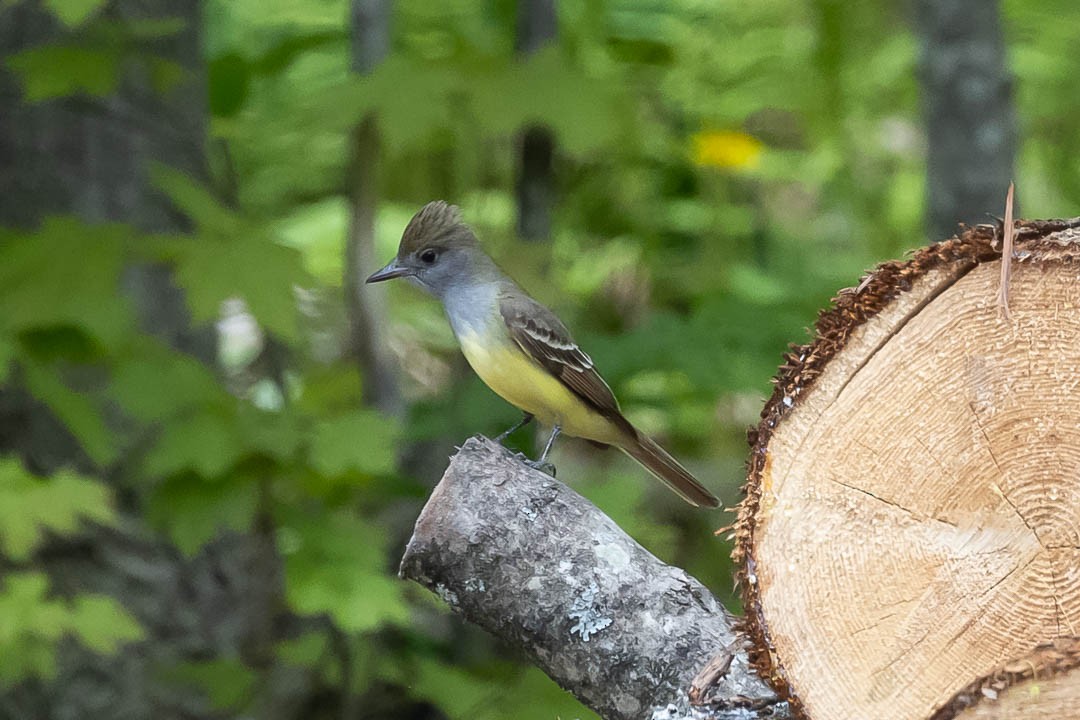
<point x="1044" y="683"/>
<point x="967" y="100"/>
<point x="370" y="21"/>
<point x="535" y="185"/>
<point x="90" y="156"/>
<point x="528" y="559"/>
<point x="368" y="342"/>
<point x="537" y="25"/>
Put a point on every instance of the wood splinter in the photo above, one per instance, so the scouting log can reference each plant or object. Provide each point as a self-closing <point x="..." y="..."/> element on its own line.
<point x="1008" y="235"/>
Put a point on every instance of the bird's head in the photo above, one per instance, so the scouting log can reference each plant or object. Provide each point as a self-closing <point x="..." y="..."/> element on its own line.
<point x="438" y="251"/>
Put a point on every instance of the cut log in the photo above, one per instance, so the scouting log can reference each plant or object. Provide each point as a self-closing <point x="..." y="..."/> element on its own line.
<point x="528" y="559"/>
<point x="912" y="513"/>
<point x="1044" y="684"/>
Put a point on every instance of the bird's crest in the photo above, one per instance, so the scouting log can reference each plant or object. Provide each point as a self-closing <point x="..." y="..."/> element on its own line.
<point x="437" y="223"/>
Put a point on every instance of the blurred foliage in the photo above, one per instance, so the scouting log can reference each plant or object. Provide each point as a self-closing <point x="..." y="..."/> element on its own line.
<point x="723" y="168"/>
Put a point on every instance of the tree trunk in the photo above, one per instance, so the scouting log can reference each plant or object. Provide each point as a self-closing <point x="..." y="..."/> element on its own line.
<point x="967" y="101"/>
<point x="910" y="519"/>
<point x="531" y="561"/>
<point x="366" y="310"/>
<point x="537" y="24"/>
<point x="90" y="157"/>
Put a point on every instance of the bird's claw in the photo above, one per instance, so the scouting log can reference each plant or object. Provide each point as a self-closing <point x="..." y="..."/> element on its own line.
<point x="543" y="466"/>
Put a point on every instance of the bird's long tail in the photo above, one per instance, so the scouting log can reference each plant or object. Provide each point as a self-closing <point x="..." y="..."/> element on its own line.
<point x="657" y="461"/>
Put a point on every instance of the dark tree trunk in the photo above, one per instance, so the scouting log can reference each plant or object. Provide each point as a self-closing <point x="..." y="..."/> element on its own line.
<point x="967" y="99"/>
<point x="90" y="157"/>
<point x="537" y="24"/>
<point x="365" y="307"/>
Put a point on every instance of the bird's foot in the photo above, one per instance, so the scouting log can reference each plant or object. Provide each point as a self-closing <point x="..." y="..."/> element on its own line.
<point x="528" y="418"/>
<point x="542" y="465"/>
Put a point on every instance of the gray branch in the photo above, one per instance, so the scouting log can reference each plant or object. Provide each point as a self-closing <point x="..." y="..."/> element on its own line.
<point x="529" y="560"/>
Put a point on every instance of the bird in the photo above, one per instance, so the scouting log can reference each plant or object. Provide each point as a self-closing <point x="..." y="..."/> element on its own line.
<point x="519" y="348"/>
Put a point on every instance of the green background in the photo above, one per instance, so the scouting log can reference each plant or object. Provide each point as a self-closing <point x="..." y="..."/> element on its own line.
<point x="722" y="169"/>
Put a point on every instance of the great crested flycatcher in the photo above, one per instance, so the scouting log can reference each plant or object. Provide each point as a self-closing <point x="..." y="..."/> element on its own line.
<point x="519" y="348"/>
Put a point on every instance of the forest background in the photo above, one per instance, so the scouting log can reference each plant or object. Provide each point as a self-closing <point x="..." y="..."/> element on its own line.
<point x="214" y="442"/>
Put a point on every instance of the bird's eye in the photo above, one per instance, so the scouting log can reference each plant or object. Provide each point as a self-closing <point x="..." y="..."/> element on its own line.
<point x="428" y="256"/>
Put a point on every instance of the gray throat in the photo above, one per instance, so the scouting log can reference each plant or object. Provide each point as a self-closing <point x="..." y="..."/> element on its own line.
<point x="472" y="307"/>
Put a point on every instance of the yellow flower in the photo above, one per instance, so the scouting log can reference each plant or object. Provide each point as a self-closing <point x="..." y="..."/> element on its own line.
<point x="726" y="149"/>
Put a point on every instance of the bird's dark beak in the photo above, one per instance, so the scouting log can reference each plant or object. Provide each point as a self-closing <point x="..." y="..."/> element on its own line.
<point x="391" y="271"/>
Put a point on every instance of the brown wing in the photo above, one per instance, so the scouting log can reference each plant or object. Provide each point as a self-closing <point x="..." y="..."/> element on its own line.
<point x="543" y="336"/>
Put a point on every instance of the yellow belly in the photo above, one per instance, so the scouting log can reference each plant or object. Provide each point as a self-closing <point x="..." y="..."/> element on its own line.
<point x="522" y="382"/>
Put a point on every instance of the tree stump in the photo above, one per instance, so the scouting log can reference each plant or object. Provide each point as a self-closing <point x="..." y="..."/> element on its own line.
<point x="912" y="514"/>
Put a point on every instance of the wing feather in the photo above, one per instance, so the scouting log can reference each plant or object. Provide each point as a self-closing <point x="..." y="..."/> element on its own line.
<point x="546" y="340"/>
<point x="543" y="337"/>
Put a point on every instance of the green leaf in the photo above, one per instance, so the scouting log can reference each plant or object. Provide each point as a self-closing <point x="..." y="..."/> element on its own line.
<point x="53" y="71"/>
<point x="316" y="231"/>
<point x="73" y="12"/>
<point x="361" y="441"/>
<point x="207" y="442"/>
<point x="304" y="650"/>
<point x="335" y="564"/>
<point x="197" y="202"/>
<point x="7" y="354"/>
<point x="330" y="389"/>
<point x="584" y="113"/>
<point x="228" y="84"/>
<point x="58" y="343"/>
<point x="260" y="271"/>
<point x="231" y="257"/>
<point x="34" y="623"/>
<point x="227" y="682"/>
<point x="78" y="411"/>
<point x="29" y="505"/>
<point x="166" y="74"/>
<point x="67" y="273"/>
<point x="155" y="383"/>
<point x="535" y="696"/>
<point x="194" y="511"/>
<point x="276" y="435"/>
<point x="749" y="283"/>
<point x="456" y="692"/>
<point x="494" y="692"/>
<point x="281" y="55"/>
<point x="411" y="99"/>
<point x="102" y="623"/>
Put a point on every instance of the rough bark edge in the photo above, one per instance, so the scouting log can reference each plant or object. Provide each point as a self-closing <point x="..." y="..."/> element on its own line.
<point x="1036" y="241"/>
<point x="1043" y="662"/>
